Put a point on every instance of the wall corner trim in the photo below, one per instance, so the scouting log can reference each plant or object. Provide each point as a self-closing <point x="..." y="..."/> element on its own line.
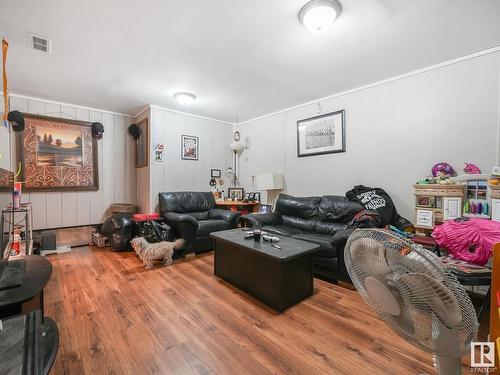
<point x="152" y="106"/>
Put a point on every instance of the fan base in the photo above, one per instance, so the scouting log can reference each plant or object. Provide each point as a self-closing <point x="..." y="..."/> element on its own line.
<point x="449" y="365"/>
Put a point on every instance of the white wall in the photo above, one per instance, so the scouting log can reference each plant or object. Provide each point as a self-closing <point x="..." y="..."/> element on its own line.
<point x="175" y="174"/>
<point x="117" y="174"/>
<point x="395" y="132"/>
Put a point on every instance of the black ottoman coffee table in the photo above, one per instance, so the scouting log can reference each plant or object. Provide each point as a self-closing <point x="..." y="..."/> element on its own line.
<point x="277" y="277"/>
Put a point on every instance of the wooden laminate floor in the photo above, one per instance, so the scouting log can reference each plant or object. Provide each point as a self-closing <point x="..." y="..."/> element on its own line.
<point x="115" y="317"/>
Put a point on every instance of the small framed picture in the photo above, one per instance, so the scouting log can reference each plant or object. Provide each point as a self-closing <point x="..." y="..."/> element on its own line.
<point x="425" y="218"/>
<point x="251" y="196"/>
<point x="265" y="209"/>
<point x="426" y="201"/>
<point x="235" y="194"/>
<point x="190" y="147"/>
<point x="246" y="197"/>
<point x="215" y="173"/>
<point x="257" y="197"/>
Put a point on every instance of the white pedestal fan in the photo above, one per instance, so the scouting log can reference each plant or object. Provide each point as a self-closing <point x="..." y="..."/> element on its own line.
<point x="411" y="291"/>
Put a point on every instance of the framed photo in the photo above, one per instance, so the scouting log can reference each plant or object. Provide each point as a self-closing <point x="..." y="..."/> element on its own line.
<point x="215" y="173"/>
<point x="57" y="154"/>
<point x="257" y="197"/>
<point x="235" y="194"/>
<point x="251" y="196"/>
<point x="426" y="201"/>
<point x="246" y="197"/>
<point x="324" y="134"/>
<point x="142" y="145"/>
<point x="265" y="209"/>
<point x="6" y="180"/>
<point x="425" y="218"/>
<point x="190" y="147"/>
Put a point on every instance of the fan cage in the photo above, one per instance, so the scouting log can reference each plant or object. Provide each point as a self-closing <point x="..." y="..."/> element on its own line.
<point x="436" y="315"/>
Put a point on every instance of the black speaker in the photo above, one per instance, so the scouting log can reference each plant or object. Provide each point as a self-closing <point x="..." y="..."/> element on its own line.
<point x="97" y="130"/>
<point x="135" y="131"/>
<point x="16" y="120"/>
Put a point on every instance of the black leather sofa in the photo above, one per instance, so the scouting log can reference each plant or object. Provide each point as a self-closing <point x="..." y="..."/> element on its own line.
<point x="321" y="220"/>
<point x="193" y="216"/>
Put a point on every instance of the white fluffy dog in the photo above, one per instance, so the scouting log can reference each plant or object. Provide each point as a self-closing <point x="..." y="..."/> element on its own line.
<point x="148" y="252"/>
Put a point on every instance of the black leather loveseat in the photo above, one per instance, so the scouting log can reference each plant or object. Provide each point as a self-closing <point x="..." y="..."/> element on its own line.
<point x="321" y="220"/>
<point x="193" y="216"/>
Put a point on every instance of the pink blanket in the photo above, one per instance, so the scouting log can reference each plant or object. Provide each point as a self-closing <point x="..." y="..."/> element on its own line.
<point x="470" y="240"/>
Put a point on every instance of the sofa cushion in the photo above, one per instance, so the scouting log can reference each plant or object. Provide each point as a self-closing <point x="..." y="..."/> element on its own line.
<point x="203" y="215"/>
<point x="304" y="207"/>
<point x="328" y="227"/>
<point x="337" y="208"/>
<point x="299" y="223"/>
<point x="208" y="226"/>
<point x="281" y="230"/>
<point x="323" y="240"/>
<point x="186" y="201"/>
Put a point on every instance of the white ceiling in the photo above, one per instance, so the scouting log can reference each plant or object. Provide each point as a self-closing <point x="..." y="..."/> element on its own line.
<point x="242" y="58"/>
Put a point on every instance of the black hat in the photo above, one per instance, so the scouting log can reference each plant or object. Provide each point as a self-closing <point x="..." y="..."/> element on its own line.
<point x="97" y="130"/>
<point x="16" y="120"/>
<point x="135" y="131"/>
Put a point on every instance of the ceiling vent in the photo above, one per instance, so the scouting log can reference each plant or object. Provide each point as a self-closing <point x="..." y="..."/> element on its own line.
<point x="40" y="43"/>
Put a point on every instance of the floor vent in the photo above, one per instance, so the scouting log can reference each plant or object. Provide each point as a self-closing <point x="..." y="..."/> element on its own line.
<point x="40" y="43"/>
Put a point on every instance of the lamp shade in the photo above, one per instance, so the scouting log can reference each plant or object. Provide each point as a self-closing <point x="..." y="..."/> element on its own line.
<point x="236" y="146"/>
<point x="270" y="181"/>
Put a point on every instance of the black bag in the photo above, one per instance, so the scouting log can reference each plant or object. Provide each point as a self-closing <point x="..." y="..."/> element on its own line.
<point x="154" y="231"/>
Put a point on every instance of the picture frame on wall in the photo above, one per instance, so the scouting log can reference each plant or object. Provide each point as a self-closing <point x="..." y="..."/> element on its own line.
<point x="323" y="134"/>
<point x="57" y="154"/>
<point x="425" y="218"/>
<point x="142" y="145"/>
<point x="6" y="180"/>
<point x="235" y="194"/>
<point x="190" y="147"/>
<point x="215" y="173"/>
<point x="265" y="209"/>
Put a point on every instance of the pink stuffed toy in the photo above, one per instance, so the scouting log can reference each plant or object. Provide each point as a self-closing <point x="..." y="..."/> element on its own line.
<point x="471" y="169"/>
<point x="470" y="240"/>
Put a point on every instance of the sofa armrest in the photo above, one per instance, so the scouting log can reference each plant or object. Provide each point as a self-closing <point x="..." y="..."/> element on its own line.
<point x="261" y="219"/>
<point x="340" y="237"/>
<point x="175" y="218"/>
<point x="339" y="241"/>
<point x="220" y="214"/>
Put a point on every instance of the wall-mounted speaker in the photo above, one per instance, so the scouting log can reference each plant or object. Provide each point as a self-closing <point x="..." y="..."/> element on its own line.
<point x="16" y="120"/>
<point x="135" y="131"/>
<point x="97" y="130"/>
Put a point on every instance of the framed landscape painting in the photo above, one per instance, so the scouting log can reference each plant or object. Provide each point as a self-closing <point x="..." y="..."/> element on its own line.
<point x="190" y="147"/>
<point x="57" y="154"/>
<point x="324" y="134"/>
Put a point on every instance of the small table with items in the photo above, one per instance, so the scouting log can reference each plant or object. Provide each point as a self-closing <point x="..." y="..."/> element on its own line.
<point x="243" y="207"/>
<point x="277" y="274"/>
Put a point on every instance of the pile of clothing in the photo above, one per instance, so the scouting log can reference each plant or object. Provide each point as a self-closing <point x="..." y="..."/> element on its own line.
<point x="379" y="209"/>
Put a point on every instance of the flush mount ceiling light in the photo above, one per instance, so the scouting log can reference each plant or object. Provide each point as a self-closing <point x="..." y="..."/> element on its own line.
<point x="185" y="98"/>
<point x="318" y="15"/>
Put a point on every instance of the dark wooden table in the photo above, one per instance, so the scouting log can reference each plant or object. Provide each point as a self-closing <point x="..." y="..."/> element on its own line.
<point x="28" y="346"/>
<point x="277" y="277"/>
<point x="29" y="296"/>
